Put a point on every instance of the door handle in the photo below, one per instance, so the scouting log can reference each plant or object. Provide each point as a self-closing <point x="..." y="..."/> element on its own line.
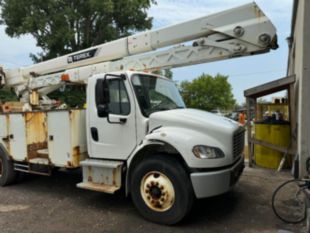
<point x="117" y="120"/>
<point x="123" y="120"/>
<point x="94" y="134"/>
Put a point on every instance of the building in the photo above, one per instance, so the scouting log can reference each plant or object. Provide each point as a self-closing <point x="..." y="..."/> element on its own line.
<point x="299" y="65"/>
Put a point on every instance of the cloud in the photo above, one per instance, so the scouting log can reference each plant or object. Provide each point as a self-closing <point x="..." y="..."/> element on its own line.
<point x="14" y="52"/>
<point x="168" y="12"/>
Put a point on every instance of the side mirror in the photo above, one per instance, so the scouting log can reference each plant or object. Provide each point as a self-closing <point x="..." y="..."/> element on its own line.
<point x="102" y="110"/>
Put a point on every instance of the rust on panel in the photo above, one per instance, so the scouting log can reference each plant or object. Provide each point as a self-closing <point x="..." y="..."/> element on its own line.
<point x="76" y="156"/>
<point x="36" y="127"/>
<point x="7" y="139"/>
<point x="36" y="134"/>
<point x="77" y="153"/>
<point x="32" y="150"/>
<point x="90" y="172"/>
<point x="258" y="12"/>
<point x="114" y="177"/>
<point x="99" y="187"/>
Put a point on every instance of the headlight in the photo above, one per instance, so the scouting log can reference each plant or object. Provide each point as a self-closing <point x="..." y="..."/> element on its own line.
<point x="207" y="152"/>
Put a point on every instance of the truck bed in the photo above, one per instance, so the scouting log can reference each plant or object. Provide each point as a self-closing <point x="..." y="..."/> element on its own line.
<point x="54" y="137"/>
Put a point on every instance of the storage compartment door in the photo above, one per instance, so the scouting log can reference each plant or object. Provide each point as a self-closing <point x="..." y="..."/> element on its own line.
<point x="17" y="132"/>
<point x="59" y="143"/>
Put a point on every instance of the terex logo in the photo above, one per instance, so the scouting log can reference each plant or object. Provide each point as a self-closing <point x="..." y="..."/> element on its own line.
<point x="81" y="56"/>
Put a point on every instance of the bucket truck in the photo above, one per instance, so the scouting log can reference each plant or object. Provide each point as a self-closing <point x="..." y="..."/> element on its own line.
<point x="136" y="133"/>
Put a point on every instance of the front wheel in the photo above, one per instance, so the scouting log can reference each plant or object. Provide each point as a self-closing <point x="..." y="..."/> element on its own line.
<point x="161" y="190"/>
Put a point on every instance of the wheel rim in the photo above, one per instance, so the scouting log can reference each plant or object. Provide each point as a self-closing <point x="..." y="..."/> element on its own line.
<point x="1" y="167"/>
<point x="157" y="191"/>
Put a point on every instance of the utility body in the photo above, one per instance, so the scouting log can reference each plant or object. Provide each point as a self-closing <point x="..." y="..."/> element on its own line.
<point x="136" y="131"/>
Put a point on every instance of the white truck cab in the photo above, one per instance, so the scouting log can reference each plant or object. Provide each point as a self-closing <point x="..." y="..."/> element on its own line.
<point x="134" y="117"/>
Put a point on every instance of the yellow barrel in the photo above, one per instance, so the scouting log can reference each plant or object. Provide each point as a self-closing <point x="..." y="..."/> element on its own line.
<point x="276" y="134"/>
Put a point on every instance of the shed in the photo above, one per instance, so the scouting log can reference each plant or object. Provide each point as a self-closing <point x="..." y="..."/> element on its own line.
<point x="252" y="94"/>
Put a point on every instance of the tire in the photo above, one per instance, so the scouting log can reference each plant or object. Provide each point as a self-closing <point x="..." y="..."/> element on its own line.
<point x="7" y="173"/>
<point x="161" y="190"/>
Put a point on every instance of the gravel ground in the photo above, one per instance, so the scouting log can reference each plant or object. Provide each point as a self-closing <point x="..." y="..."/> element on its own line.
<point x="54" y="204"/>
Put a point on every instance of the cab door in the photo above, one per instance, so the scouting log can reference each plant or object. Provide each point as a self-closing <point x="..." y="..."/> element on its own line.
<point x="111" y="119"/>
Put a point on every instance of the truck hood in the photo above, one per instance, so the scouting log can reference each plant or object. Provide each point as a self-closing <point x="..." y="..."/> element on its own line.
<point x="186" y="128"/>
<point x="194" y="119"/>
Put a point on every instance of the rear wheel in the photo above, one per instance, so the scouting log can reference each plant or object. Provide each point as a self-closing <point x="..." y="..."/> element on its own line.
<point x="7" y="173"/>
<point x="161" y="190"/>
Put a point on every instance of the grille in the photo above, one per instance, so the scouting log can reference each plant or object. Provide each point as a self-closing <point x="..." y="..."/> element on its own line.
<point x="238" y="142"/>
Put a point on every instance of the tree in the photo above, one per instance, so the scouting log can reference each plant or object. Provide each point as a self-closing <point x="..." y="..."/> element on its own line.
<point x="208" y="93"/>
<point x="64" y="26"/>
<point x="165" y="72"/>
<point x="7" y="95"/>
<point x="72" y="95"/>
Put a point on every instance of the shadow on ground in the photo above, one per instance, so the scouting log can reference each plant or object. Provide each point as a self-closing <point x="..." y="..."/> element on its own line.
<point x="56" y="205"/>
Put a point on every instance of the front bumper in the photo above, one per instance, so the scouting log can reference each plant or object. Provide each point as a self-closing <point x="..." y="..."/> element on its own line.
<point x="207" y="184"/>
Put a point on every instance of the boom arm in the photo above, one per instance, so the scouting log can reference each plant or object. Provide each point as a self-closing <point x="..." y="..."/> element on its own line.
<point x="241" y="31"/>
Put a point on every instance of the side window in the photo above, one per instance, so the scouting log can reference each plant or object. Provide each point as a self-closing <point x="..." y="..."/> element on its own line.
<point x="119" y="101"/>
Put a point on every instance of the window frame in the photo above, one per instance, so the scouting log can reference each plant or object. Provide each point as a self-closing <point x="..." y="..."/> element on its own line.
<point x="100" y="99"/>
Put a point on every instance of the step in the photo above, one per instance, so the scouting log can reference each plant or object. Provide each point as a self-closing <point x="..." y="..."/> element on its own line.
<point x="43" y="151"/>
<point x="101" y="163"/>
<point x="28" y="167"/>
<point x="98" y="187"/>
<point x="101" y="175"/>
<point x="41" y="161"/>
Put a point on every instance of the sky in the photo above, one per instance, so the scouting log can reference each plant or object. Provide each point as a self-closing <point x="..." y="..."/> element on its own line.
<point x="243" y="72"/>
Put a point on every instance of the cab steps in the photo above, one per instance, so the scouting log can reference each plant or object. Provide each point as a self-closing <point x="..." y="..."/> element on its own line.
<point x="101" y="175"/>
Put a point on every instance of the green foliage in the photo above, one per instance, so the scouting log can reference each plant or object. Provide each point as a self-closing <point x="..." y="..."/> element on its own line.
<point x="64" y="26"/>
<point x="7" y="95"/>
<point x="72" y="96"/>
<point x="165" y="72"/>
<point x="208" y="93"/>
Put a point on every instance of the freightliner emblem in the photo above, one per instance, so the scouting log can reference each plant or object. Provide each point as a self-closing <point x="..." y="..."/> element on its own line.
<point x="82" y="56"/>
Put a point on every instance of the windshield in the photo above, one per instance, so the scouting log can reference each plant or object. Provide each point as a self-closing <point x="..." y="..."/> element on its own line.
<point x="156" y="94"/>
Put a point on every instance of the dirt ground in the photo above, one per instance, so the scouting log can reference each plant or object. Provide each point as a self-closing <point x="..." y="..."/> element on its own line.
<point x="54" y="204"/>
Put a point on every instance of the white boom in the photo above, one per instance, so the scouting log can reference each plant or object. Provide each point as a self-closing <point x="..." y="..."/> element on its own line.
<point x="241" y="31"/>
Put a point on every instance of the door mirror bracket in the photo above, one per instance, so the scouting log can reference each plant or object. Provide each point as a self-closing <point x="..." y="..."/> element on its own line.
<point x="103" y="110"/>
